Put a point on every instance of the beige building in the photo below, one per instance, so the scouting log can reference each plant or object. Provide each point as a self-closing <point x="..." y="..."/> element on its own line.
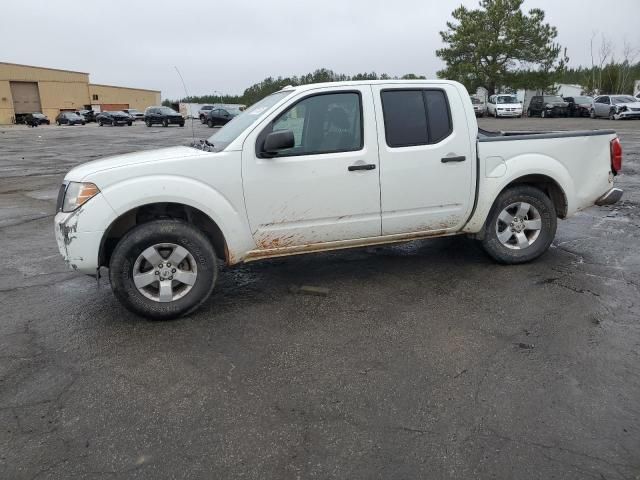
<point x="25" y="89"/>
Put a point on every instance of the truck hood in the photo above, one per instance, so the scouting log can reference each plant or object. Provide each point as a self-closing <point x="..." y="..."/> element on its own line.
<point x="171" y="153"/>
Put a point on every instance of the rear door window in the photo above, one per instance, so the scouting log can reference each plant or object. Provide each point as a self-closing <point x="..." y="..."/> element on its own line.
<point x="415" y="117"/>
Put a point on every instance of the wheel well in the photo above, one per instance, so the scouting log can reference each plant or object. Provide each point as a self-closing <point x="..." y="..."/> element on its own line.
<point x="549" y="186"/>
<point x="155" y="211"/>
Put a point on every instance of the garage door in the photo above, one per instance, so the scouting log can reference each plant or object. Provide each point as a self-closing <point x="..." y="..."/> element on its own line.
<point x="26" y="98"/>
<point x="113" y="107"/>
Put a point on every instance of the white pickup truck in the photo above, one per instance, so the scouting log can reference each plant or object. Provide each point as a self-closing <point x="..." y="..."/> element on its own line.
<point x="323" y="167"/>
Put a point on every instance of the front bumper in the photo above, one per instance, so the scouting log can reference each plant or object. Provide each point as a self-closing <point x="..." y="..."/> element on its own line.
<point x="611" y="197"/>
<point x="628" y="114"/>
<point x="79" y="233"/>
<point x="507" y="113"/>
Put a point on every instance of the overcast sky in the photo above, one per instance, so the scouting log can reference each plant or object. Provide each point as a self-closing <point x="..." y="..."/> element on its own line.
<point x="226" y="46"/>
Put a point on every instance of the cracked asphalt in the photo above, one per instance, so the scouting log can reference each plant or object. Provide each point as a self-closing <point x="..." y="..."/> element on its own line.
<point x="425" y="360"/>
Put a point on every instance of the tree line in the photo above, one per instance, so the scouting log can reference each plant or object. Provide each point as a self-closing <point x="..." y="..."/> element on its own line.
<point x="270" y="85"/>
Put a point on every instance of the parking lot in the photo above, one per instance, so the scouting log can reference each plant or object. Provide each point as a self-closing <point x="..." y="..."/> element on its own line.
<point x="424" y="360"/>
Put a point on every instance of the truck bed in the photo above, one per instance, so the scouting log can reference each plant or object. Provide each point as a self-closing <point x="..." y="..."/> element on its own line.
<point x="502" y="136"/>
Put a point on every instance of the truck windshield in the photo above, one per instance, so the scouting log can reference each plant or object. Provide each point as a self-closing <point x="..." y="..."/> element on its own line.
<point x="553" y="99"/>
<point x="507" y="99"/>
<point x="240" y="123"/>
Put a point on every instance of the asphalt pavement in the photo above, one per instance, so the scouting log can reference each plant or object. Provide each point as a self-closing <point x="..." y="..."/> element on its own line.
<point x="424" y="360"/>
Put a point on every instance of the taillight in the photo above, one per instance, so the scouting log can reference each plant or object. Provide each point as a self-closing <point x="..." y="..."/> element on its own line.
<point x="616" y="155"/>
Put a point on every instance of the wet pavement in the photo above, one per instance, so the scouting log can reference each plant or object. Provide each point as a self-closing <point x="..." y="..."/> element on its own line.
<point x="425" y="360"/>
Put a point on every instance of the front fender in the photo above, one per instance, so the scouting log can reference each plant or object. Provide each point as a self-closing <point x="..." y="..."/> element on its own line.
<point x="517" y="167"/>
<point x="127" y="195"/>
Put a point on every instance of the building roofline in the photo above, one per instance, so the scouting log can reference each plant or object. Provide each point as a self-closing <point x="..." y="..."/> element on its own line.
<point x="42" y="68"/>
<point x="125" y="88"/>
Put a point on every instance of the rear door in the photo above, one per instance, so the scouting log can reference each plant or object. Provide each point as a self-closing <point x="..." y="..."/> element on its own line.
<point x="324" y="189"/>
<point x="491" y="107"/>
<point x="427" y="158"/>
<point x="602" y="106"/>
<point x="536" y="105"/>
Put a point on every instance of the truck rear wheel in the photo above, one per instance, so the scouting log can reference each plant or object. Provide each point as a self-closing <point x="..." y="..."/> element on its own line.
<point x="163" y="269"/>
<point x="521" y="225"/>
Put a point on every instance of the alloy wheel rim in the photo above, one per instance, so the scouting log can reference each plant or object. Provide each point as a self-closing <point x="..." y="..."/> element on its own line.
<point x="165" y="272"/>
<point x="518" y="226"/>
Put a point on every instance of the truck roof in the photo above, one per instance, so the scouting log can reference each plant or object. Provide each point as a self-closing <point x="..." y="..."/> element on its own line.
<point x="311" y="86"/>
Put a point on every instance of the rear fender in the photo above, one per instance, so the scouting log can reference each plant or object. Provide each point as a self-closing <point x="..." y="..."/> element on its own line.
<point x="518" y="167"/>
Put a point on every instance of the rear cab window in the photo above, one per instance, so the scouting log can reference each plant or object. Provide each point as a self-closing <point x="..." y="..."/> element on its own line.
<point x="415" y="117"/>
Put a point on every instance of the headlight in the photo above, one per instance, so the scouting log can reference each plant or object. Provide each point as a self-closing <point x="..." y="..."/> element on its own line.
<point x="548" y="105"/>
<point x="77" y="194"/>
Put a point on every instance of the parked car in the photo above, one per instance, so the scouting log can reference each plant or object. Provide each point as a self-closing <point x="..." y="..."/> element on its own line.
<point x="35" y="119"/>
<point x="579" y="106"/>
<point x="616" y="107"/>
<point x="547" y="106"/>
<point x="114" y="118"/>
<point x="69" y="118"/>
<point x="322" y="167"/>
<point x="162" y="115"/>
<point x="135" y="114"/>
<point x="221" y="116"/>
<point x="478" y="106"/>
<point x="88" y="115"/>
<point x="504" y="105"/>
<point x="204" y="112"/>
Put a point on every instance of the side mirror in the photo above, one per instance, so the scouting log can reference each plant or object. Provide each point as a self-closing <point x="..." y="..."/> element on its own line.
<point x="277" y="141"/>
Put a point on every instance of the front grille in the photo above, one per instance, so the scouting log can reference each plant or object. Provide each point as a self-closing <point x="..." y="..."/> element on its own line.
<point x="60" y="200"/>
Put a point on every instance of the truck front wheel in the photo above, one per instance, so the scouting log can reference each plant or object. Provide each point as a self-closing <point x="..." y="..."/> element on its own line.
<point x="521" y="225"/>
<point x="163" y="269"/>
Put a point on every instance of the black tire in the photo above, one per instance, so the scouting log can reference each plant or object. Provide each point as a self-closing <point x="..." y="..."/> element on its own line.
<point x="165" y="123"/>
<point x="548" y="221"/>
<point x="182" y="124"/>
<point x="612" y="113"/>
<point x="129" y="123"/>
<point x="210" y="123"/>
<point x="203" y="120"/>
<point x="113" y="123"/>
<point x="131" y="246"/>
<point x="148" y="123"/>
<point x="529" y="113"/>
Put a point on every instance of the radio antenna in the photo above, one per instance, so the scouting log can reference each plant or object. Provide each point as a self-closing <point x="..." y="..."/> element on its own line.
<point x="193" y="132"/>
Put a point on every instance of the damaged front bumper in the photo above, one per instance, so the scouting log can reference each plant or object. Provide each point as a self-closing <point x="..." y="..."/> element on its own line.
<point x="611" y="197"/>
<point x="79" y="234"/>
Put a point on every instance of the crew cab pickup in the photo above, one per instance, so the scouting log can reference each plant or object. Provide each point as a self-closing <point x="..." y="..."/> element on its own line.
<point x="324" y="167"/>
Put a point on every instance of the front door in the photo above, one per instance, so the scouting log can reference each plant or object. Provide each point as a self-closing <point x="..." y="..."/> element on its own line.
<point x="324" y="189"/>
<point x="427" y="158"/>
